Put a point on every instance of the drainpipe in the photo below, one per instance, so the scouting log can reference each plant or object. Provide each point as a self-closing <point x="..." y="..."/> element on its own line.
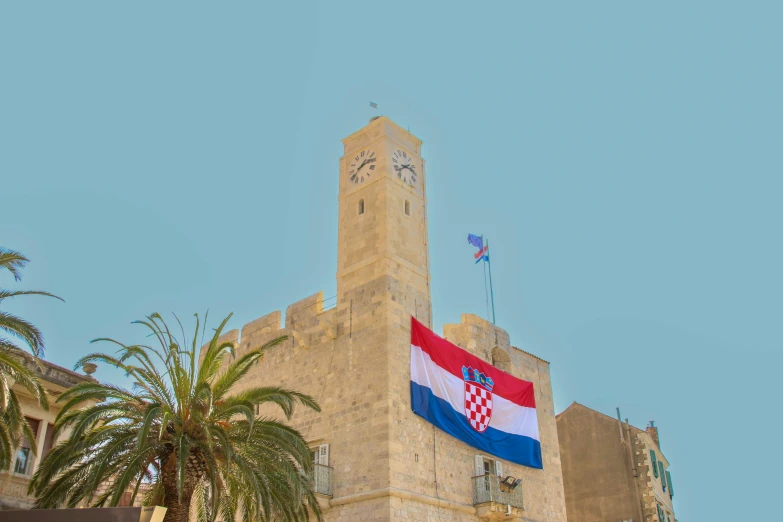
<point x="635" y="470"/>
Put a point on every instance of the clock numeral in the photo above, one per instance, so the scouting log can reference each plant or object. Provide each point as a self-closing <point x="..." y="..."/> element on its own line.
<point x="372" y="167"/>
<point x="362" y="154"/>
<point x="357" y="158"/>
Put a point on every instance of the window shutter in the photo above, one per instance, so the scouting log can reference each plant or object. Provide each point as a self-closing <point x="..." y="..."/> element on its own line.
<point x="654" y="463"/>
<point x="663" y="474"/>
<point x="479" y="465"/>
<point x="498" y="468"/>
<point x="323" y="454"/>
<point x="669" y="481"/>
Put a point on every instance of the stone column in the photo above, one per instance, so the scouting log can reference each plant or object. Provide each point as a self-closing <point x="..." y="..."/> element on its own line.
<point x="41" y="439"/>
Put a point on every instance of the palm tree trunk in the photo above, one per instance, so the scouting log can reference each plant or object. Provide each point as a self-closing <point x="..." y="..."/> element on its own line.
<point x="178" y="508"/>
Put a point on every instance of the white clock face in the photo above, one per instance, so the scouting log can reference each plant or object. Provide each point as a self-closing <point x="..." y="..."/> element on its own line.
<point x="404" y="166"/>
<point x="362" y="166"/>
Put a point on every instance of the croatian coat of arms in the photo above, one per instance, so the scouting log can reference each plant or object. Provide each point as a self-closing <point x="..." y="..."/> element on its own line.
<point x="478" y="398"/>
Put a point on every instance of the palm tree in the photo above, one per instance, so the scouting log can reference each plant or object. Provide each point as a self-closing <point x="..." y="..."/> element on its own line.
<point x="182" y="434"/>
<point x="17" y="366"/>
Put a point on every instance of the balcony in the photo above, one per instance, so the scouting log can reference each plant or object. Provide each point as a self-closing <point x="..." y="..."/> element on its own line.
<point x="495" y="500"/>
<point x="321" y="479"/>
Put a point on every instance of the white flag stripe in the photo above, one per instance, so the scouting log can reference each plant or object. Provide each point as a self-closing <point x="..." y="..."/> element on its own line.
<point x="507" y="416"/>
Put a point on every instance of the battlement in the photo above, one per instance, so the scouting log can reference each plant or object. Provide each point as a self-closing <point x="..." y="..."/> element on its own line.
<point x="489" y="342"/>
<point x="307" y="323"/>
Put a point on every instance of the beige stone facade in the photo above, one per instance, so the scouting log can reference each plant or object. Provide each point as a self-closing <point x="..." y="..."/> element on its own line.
<point x="608" y="469"/>
<point x="14" y="481"/>
<point x="379" y="461"/>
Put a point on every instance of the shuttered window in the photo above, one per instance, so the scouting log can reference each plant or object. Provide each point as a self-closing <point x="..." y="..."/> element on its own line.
<point x="479" y="466"/>
<point x="486" y="466"/>
<point x="663" y="474"/>
<point x="654" y="463"/>
<point x="323" y="454"/>
<point x="669" y="482"/>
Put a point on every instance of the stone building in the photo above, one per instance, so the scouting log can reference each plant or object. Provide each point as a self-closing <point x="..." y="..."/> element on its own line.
<point x="14" y="481"/>
<point x="612" y="471"/>
<point x="376" y="460"/>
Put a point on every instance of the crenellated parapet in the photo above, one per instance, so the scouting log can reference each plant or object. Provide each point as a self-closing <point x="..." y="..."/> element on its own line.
<point x="307" y="324"/>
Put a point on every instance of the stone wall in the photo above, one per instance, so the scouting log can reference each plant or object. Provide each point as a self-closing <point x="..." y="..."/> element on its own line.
<point x="355" y="360"/>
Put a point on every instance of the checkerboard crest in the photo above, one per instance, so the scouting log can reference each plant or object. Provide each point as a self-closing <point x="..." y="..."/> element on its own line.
<point x="478" y="398"/>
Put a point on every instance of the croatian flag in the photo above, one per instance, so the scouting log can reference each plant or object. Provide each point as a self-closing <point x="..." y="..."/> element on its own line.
<point x="472" y="400"/>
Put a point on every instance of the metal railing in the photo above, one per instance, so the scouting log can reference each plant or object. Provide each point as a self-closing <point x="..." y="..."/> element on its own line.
<point x="321" y="478"/>
<point x="489" y="488"/>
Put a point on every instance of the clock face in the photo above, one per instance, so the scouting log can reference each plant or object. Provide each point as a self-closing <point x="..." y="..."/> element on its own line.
<point x="362" y="166"/>
<point x="404" y="166"/>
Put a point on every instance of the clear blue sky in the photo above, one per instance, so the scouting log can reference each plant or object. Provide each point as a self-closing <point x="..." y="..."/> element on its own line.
<point x="624" y="158"/>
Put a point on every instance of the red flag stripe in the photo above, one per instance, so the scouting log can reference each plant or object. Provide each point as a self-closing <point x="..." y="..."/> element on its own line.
<point x="452" y="358"/>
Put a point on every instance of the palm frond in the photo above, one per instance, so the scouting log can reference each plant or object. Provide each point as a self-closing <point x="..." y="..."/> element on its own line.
<point x="13" y="261"/>
<point x="184" y="433"/>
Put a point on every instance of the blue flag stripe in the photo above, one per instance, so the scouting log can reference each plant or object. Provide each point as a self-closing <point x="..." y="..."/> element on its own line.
<point x="513" y="448"/>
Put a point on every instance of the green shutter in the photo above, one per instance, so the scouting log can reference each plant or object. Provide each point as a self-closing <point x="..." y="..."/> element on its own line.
<point x="654" y="463"/>
<point x="663" y="475"/>
<point x="669" y="482"/>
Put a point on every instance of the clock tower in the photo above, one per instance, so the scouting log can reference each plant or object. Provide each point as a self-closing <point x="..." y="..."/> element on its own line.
<point x="382" y="236"/>
<point x="373" y="458"/>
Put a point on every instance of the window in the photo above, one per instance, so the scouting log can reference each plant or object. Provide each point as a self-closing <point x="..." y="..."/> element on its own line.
<point x="669" y="482"/>
<point x="22" y="460"/>
<point x="407" y="207"/>
<point x="361" y="207"/>
<point x="487" y="466"/>
<point x="654" y="463"/>
<point x="48" y="441"/>
<point x="321" y="477"/>
<point x="500" y="359"/>
<point x="663" y="474"/>
<point x="24" y="455"/>
<point x="320" y="454"/>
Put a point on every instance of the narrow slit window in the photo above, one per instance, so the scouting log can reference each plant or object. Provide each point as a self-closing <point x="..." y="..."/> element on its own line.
<point x="407" y="208"/>
<point x="361" y="207"/>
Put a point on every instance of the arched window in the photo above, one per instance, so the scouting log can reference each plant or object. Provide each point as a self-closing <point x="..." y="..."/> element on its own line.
<point x="501" y="359"/>
<point x="361" y="207"/>
<point x="407" y="208"/>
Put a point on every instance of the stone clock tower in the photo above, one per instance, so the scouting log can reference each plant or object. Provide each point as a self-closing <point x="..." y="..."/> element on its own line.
<point x="374" y="459"/>
<point x="383" y="215"/>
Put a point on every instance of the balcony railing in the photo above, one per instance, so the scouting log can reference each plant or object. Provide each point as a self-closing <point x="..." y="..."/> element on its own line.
<point x="321" y="477"/>
<point x="489" y="488"/>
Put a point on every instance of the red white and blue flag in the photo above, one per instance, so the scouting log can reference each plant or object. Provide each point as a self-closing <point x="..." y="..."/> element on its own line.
<point x="472" y="400"/>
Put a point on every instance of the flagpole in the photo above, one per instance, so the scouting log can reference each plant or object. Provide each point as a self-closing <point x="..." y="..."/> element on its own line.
<point x="486" y="294"/>
<point x="491" y="293"/>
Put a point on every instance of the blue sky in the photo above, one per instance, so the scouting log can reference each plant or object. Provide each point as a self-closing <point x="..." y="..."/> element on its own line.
<point x="622" y="157"/>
